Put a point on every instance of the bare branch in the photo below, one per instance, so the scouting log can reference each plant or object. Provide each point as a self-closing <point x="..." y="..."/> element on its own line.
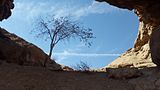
<point x="58" y="29"/>
<point x="82" y="66"/>
<point x="46" y="27"/>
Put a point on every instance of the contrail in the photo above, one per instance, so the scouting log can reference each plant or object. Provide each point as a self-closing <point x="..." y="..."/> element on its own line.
<point x="85" y="54"/>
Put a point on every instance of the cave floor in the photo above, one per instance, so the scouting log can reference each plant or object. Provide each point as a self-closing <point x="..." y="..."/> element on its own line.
<point x="14" y="77"/>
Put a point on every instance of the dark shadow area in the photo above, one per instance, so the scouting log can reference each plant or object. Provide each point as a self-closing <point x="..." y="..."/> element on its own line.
<point x="131" y="73"/>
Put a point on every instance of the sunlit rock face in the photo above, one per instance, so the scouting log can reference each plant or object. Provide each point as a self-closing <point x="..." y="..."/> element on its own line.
<point x="5" y="8"/>
<point x="144" y="47"/>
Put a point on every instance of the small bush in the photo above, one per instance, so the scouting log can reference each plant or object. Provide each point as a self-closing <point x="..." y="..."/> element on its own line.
<point x="82" y="66"/>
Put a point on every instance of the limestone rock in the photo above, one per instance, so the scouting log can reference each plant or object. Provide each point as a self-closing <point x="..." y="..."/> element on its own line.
<point x="14" y="49"/>
<point x="143" y="52"/>
<point x="5" y="8"/>
<point x="66" y="68"/>
<point x="134" y="58"/>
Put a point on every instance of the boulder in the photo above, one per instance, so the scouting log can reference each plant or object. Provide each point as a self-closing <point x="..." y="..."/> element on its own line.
<point x="123" y="73"/>
<point x="66" y="68"/>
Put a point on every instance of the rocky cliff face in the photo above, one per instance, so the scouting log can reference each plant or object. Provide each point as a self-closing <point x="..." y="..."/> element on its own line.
<point x="5" y="8"/>
<point x="147" y="42"/>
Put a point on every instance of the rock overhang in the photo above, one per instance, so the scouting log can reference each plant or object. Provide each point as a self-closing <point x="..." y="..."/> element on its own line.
<point x="5" y="8"/>
<point x="148" y="14"/>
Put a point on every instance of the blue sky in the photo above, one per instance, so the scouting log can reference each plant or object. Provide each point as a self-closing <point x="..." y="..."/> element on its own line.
<point x="115" y="29"/>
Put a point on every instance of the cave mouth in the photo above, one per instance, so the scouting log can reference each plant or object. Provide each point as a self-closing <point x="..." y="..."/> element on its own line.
<point x="149" y="19"/>
<point x="117" y="34"/>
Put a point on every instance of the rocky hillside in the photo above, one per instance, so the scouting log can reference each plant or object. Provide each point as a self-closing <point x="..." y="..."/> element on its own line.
<point x="146" y="48"/>
<point x="14" y="49"/>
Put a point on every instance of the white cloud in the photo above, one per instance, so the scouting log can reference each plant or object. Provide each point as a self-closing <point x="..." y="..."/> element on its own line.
<point x="94" y="8"/>
<point x="30" y="10"/>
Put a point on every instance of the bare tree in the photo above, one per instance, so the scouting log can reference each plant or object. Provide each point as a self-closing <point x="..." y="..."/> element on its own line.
<point x="60" y="29"/>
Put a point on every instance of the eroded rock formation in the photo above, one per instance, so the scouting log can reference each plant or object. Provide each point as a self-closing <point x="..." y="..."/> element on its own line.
<point x="5" y="8"/>
<point x="149" y="18"/>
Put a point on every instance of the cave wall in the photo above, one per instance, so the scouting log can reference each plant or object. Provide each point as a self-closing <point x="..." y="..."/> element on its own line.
<point x="149" y="20"/>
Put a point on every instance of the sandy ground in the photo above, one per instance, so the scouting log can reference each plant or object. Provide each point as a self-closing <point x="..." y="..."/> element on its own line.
<point x="14" y="77"/>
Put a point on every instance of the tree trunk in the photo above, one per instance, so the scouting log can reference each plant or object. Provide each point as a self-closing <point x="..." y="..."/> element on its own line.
<point x="50" y="54"/>
<point x="51" y="49"/>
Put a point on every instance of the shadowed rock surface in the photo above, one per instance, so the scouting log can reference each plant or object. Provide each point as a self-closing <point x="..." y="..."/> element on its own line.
<point x="14" y="49"/>
<point x="149" y="20"/>
<point x="5" y="8"/>
<point x="15" y="77"/>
